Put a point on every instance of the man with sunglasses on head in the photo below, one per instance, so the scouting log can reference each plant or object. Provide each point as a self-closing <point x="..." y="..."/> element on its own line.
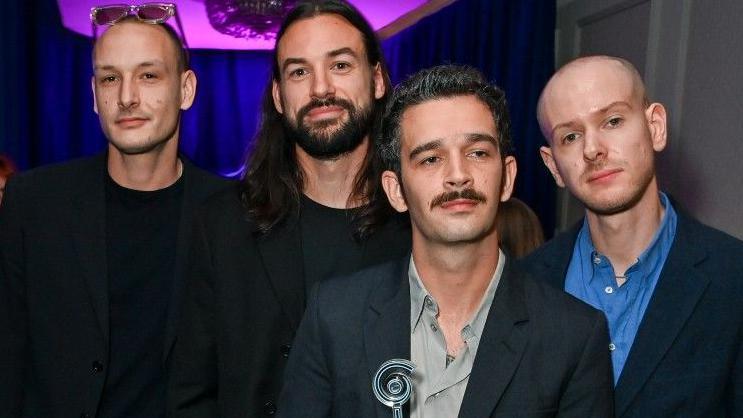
<point x="306" y="210"/>
<point x="92" y="251"/>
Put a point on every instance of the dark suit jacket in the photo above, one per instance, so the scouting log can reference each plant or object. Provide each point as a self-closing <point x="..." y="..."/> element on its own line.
<point x="543" y="353"/>
<point x="54" y="313"/>
<point x="246" y="299"/>
<point x="687" y="358"/>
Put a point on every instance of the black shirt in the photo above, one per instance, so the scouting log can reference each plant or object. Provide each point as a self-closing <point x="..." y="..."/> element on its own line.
<point x="328" y="246"/>
<point x="141" y="236"/>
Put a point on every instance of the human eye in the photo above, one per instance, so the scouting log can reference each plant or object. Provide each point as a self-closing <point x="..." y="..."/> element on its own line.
<point x="429" y="160"/>
<point x="614" y="122"/>
<point x="569" y="138"/>
<point x="298" y="73"/>
<point x="107" y="79"/>
<point x="342" y="66"/>
<point x="149" y="76"/>
<point x="479" y="154"/>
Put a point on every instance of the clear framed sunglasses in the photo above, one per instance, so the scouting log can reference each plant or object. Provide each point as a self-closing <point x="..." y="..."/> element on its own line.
<point x="154" y="13"/>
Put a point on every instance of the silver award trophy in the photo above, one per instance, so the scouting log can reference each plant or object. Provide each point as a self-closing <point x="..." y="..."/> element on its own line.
<point x="392" y="384"/>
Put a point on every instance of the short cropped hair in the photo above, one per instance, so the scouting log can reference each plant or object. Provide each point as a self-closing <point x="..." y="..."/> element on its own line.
<point x="440" y="82"/>
<point x="182" y="57"/>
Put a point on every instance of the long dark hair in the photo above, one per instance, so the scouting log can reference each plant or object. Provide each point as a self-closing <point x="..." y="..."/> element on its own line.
<point x="273" y="182"/>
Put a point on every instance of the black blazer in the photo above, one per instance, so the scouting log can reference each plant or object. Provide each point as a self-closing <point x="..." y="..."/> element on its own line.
<point x="246" y="299"/>
<point x="687" y="358"/>
<point x="543" y="353"/>
<point x="54" y="325"/>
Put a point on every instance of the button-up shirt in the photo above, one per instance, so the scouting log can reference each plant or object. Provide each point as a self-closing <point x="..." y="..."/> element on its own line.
<point x="439" y="383"/>
<point x="591" y="278"/>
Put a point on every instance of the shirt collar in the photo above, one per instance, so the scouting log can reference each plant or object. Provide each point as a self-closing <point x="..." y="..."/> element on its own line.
<point x="419" y="296"/>
<point x="652" y="255"/>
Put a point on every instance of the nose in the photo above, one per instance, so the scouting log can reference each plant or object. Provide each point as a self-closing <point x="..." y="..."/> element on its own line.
<point x="593" y="147"/>
<point x="458" y="175"/>
<point x="322" y="85"/>
<point x="128" y="94"/>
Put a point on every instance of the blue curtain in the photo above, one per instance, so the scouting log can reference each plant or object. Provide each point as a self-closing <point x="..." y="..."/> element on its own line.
<point x="512" y="43"/>
<point x="46" y="104"/>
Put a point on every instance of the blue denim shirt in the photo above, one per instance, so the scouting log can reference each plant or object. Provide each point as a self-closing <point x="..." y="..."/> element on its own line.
<point x="591" y="278"/>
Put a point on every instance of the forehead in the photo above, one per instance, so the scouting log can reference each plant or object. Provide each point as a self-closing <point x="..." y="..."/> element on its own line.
<point x="316" y="36"/>
<point x="131" y="43"/>
<point x="585" y="88"/>
<point x="446" y="118"/>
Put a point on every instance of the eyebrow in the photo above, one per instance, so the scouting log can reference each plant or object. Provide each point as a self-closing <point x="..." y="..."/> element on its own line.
<point x="428" y="146"/>
<point x="471" y="138"/>
<point x="145" y="64"/>
<point x="605" y="109"/>
<point x="331" y="54"/>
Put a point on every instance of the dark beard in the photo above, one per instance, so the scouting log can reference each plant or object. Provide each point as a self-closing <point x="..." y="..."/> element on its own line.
<point x="321" y="141"/>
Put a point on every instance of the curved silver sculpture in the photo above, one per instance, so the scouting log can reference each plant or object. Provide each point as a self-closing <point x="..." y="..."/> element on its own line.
<point x="392" y="384"/>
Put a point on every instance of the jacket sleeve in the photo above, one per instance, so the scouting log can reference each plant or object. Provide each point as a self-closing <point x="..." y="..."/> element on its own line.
<point x="589" y="392"/>
<point x="13" y="310"/>
<point x="307" y="390"/>
<point x="193" y="384"/>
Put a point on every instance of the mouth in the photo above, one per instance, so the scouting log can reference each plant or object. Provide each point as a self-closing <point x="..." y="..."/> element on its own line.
<point x="324" y="113"/>
<point x="459" y="204"/>
<point x="603" y="175"/>
<point x="130" y="122"/>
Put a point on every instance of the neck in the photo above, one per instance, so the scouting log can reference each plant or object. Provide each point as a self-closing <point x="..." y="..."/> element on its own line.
<point x="457" y="276"/>
<point x="149" y="171"/>
<point x="623" y="236"/>
<point x="331" y="182"/>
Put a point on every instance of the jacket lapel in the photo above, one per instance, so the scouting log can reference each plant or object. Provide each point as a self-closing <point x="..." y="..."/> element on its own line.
<point x="190" y="197"/>
<point x="679" y="288"/>
<point x="89" y="238"/>
<point x="281" y="252"/>
<point x="387" y="327"/>
<point x="501" y="348"/>
<point x="554" y="261"/>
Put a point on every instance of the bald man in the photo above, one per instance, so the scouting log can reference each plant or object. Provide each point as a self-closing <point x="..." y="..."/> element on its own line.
<point x="670" y="287"/>
<point x="92" y="251"/>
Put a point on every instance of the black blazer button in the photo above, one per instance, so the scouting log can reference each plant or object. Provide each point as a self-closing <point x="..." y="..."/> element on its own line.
<point x="84" y="415"/>
<point x="97" y="367"/>
<point x="285" y="349"/>
<point x="269" y="408"/>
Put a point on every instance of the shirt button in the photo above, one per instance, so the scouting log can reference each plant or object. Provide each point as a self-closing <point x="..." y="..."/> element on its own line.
<point x="97" y="367"/>
<point x="612" y="347"/>
<point x="269" y="408"/>
<point x="609" y="290"/>
<point x="433" y="328"/>
<point x="596" y="259"/>
<point x="285" y="349"/>
<point x="429" y="303"/>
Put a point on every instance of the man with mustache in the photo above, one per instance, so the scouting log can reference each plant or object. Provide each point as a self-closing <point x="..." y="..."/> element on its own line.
<point x="92" y="251"/>
<point x="671" y="288"/>
<point x="308" y="208"/>
<point x="486" y="339"/>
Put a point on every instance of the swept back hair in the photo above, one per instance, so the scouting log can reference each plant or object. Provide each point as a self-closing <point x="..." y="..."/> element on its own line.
<point x="440" y="82"/>
<point x="273" y="181"/>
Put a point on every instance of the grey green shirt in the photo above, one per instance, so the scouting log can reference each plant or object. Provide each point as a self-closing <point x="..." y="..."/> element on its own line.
<point x="438" y="388"/>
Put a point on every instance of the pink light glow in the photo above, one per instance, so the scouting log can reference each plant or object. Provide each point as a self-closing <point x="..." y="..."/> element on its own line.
<point x="200" y="34"/>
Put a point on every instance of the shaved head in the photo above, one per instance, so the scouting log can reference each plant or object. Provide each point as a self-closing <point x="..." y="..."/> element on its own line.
<point x="577" y="69"/>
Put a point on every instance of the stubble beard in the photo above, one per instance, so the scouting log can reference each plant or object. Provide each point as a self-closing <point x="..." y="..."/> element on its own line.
<point x="623" y="201"/>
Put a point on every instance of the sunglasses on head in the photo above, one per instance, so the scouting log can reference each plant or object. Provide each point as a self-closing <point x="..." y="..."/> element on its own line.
<point x="154" y="13"/>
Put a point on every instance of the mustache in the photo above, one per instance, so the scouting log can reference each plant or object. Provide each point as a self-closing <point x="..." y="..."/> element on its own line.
<point x="469" y="194"/>
<point x="330" y="101"/>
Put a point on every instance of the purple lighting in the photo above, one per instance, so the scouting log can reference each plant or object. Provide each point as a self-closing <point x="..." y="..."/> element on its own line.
<point x="201" y="34"/>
